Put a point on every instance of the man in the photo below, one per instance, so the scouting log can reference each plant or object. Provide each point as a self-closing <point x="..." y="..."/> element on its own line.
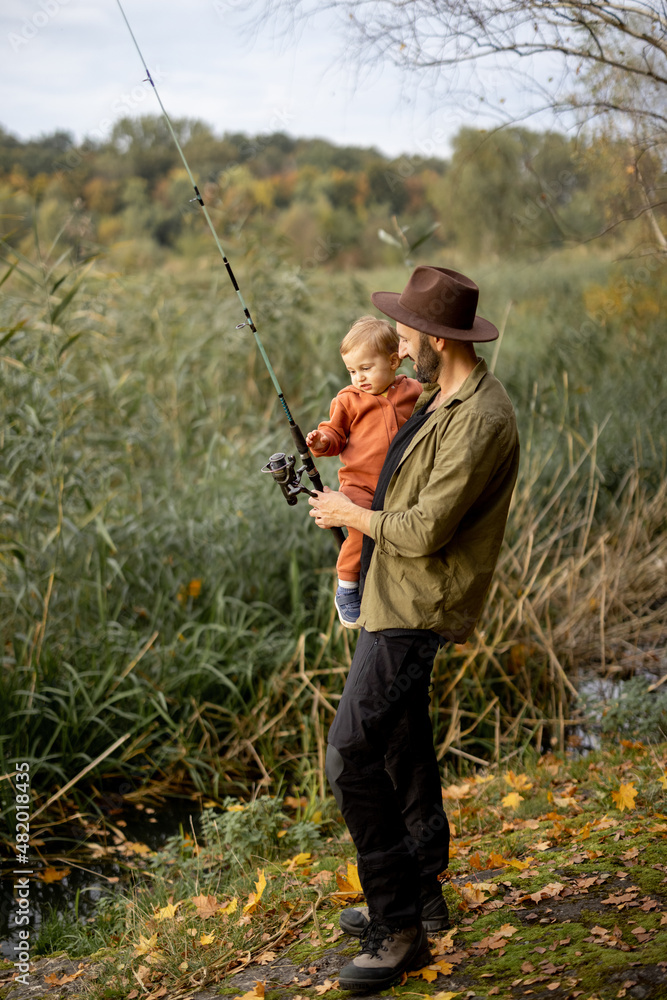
<point x="432" y="541"/>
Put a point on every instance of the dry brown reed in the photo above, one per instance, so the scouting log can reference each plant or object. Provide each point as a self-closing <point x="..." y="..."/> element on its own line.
<point x="572" y="595"/>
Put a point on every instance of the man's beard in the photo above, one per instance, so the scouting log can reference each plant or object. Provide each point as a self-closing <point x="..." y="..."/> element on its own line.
<point x="427" y="361"/>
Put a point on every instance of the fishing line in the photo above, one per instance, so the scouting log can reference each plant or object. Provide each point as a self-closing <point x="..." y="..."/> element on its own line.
<point x="285" y="475"/>
<point x="199" y="198"/>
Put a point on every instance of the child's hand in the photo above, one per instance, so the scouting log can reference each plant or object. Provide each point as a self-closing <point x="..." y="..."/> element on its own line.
<point x="315" y="439"/>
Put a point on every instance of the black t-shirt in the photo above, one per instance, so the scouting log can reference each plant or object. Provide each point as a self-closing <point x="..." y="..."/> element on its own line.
<point x="395" y="453"/>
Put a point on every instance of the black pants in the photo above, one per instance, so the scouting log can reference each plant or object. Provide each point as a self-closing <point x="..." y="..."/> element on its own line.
<point x="384" y="774"/>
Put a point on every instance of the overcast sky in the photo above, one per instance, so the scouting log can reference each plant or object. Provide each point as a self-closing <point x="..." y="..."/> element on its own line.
<point x="71" y="64"/>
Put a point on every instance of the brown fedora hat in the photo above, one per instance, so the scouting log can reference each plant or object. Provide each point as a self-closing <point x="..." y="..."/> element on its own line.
<point x="439" y="302"/>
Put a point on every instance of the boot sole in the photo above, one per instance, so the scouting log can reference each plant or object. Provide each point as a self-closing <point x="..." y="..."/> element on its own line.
<point x="365" y="985"/>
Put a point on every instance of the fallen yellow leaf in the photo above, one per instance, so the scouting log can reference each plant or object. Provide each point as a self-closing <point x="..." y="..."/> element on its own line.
<point x="349" y="884"/>
<point x="255" y="994"/>
<point x="325" y="987"/>
<point x="428" y="973"/>
<point x="145" y="945"/>
<point x="54" y="874"/>
<point x="519" y="782"/>
<point x="457" y="791"/>
<point x="625" y="796"/>
<point x="53" y="979"/>
<point x="168" y="912"/>
<point x="353" y="877"/>
<point x="507" y="930"/>
<point x="446" y="996"/>
<point x="444" y="943"/>
<point x="520" y="865"/>
<point x="663" y="781"/>
<point x="298" y="859"/>
<point x="207" y="939"/>
<point x="131" y="847"/>
<point x="512" y="800"/>
<point x="230" y="907"/>
<point x="254" y="897"/>
<point x="472" y="895"/>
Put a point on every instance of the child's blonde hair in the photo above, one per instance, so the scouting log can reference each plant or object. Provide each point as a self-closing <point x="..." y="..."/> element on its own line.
<point x="375" y="333"/>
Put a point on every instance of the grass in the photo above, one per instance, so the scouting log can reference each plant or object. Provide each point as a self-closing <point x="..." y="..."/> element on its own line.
<point x="537" y="895"/>
<point x="154" y="587"/>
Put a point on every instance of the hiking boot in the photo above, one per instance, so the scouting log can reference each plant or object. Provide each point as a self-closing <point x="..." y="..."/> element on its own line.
<point x="435" y="917"/>
<point x="348" y="606"/>
<point x="386" y="953"/>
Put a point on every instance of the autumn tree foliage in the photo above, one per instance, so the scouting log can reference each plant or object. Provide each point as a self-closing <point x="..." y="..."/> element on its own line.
<point x="504" y="191"/>
<point x="602" y="65"/>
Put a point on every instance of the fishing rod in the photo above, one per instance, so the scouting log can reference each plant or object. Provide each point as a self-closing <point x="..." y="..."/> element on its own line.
<point x="280" y="466"/>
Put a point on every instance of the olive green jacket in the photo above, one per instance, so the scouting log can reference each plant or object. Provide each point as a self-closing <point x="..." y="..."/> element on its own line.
<point x="438" y="535"/>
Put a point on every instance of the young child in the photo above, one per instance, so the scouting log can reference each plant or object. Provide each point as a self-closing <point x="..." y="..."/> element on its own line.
<point x="364" y="417"/>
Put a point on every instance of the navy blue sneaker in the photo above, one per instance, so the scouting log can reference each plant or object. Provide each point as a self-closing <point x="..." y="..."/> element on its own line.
<point x="348" y="606"/>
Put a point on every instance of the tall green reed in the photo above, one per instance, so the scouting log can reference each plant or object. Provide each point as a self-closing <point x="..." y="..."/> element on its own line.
<point x="152" y="583"/>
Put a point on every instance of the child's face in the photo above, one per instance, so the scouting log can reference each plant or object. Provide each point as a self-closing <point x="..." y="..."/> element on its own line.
<point x="369" y="371"/>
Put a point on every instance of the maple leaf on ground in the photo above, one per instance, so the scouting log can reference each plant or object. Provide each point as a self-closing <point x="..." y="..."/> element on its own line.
<point x="321" y="878"/>
<point x="625" y="796"/>
<point x="427" y="973"/>
<point x="53" y="979"/>
<point x="566" y="802"/>
<point x="457" y="791"/>
<point x="496" y="860"/>
<point x="627" y="897"/>
<point x="430" y="972"/>
<point x="207" y="906"/>
<point x="444" y="943"/>
<point x="349" y="884"/>
<point x="141" y="974"/>
<point x="546" y="892"/>
<point x="507" y="931"/>
<point x="448" y="995"/>
<point x="207" y="939"/>
<point x="130" y="847"/>
<point x="325" y="987"/>
<point x="299" y="859"/>
<point x="145" y="945"/>
<point x="519" y="782"/>
<point x="512" y="800"/>
<point x="255" y="994"/>
<point x="230" y="907"/>
<point x="254" y="897"/>
<point x="520" y="865"/>
<point x="606" y="823"/>
<point x="168" y="912"/>
<point x="53" y="874"/>
<point x="472" y="895"/>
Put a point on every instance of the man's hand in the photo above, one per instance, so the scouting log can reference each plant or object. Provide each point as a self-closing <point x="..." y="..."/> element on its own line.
<point x="333" y="510"/>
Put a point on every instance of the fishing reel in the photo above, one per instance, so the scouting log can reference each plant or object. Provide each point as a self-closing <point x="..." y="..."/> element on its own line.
<point x="281" y="467"/>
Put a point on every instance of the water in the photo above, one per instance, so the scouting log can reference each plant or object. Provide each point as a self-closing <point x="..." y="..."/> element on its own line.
<point x="80" y="890"/>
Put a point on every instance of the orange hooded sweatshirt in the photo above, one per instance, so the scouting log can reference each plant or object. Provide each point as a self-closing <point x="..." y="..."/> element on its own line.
<point x="361" y="427"/>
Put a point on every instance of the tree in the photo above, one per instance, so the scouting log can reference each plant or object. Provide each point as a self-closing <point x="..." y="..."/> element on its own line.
<point x="607" y="61"/>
